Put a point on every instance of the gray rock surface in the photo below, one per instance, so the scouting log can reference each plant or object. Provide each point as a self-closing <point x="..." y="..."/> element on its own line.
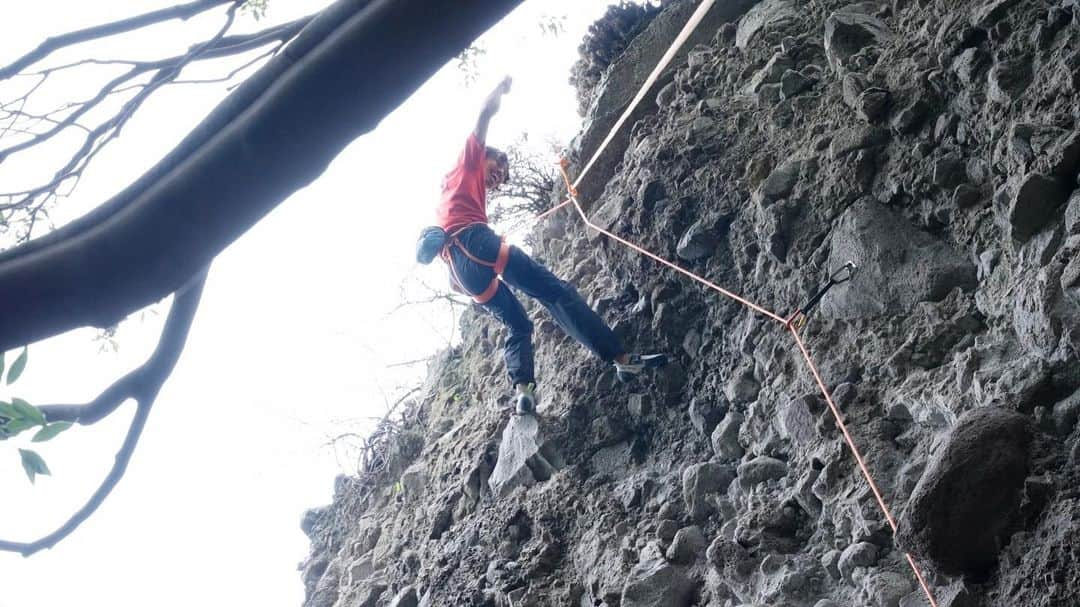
<point x="907" y="160"/>
<point x="698" y="242"/>
<point x="761" y="17"/>
<point x="761" y="469"/>
<point x="701" y="480"/>
<point x="849" y="31"/>
<point x="524" y="456"/>
<point x="687" y="546"/>
<point x="629" y="72"/>
<point x="657" y="583"/>
<point x="967" y="501"/>
<point x="406" y="598"/>
<point x="899" y="265"/>
<point x="725" y="437"/>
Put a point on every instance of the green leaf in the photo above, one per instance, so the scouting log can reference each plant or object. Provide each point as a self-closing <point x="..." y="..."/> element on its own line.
<point x="6" y="410"/>
<point x="17" y="367"/>
<point x="33" y="464"/>
<point x="50" y="431"/>
<point x="1" y="364"/>
<point x="16" y="426"/>
<point x="28" y="411"/>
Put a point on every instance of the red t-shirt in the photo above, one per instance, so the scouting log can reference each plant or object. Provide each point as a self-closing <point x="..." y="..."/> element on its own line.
<point x="464" y="198"/>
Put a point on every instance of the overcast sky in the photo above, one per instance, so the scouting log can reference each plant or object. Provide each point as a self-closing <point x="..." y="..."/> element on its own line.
<point x="290" y="346"/>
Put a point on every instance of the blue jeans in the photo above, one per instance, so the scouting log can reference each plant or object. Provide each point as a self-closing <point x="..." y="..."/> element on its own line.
<point x="524" y="274"/>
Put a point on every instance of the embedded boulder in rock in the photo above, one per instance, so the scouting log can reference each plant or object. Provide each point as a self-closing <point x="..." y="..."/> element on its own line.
<point x="850" y="30"/>
<point x="524" y="456"/>
<point x="699" y="480"/>
<point x="654" y="582"/>
<point x="967" y="503"/>
<point x="406" y="598"/>
<point x="697" y="243"/>
<point x="899" y="265"/>
<point x="762" y="17"/>
<point x="1033" y="205"/>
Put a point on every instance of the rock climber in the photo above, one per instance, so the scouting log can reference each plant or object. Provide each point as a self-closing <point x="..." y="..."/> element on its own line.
<point x="477" y="258"/>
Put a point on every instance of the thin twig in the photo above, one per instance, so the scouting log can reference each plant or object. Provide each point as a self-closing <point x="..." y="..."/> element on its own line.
<point x="142" y="385"/>
<point x="181" y="11"/>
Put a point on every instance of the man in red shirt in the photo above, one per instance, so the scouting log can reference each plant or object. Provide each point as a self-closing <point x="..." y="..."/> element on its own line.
<point x="478" y="258"/>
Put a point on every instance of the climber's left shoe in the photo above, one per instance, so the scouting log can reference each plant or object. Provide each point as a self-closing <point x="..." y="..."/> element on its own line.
<point x="526" y="399"/>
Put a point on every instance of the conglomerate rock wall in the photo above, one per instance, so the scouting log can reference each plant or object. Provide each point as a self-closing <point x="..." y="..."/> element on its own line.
<point x="935" y="144"/>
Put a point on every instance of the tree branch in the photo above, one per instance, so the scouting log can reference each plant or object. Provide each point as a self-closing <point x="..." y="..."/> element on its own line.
<point x="96" y="139"/>
<point x="180" y="11"/>
<point x="166" y="72"/>
<point x="143" y="385"/>
<point x="273" y="135"/>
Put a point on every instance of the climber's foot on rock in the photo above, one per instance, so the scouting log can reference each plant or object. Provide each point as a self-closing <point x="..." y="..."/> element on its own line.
<point x="636" y="364"/>
<point x="526" y="399"/>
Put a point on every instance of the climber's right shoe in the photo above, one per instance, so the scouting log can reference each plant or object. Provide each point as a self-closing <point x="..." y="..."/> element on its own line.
<point x="637" y="364"/>
<point x="526" y="399"/>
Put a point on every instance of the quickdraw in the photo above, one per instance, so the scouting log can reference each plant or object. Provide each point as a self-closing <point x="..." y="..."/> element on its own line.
<point x="844" y="274"/>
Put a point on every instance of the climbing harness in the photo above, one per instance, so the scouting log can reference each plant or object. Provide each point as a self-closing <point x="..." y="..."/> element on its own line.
<point x="844" y="274"/>
<point x="792" y="324"/>
<point x="499" y="265"/>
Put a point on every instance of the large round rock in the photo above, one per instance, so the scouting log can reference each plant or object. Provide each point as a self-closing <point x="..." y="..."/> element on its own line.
<point x="967" y="502"/>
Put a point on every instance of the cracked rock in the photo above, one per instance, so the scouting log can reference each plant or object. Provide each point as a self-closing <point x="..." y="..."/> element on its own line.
<point x="524" y="457"/>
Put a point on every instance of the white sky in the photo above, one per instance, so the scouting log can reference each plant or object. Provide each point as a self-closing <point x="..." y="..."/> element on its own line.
<point x="289" y="347"/>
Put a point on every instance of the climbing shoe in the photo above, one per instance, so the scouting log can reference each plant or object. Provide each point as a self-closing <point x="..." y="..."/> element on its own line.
<point x="637" y="364"/>
<point x="526" y="399"/>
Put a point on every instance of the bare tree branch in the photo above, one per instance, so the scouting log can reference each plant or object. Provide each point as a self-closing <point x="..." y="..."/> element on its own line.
<point x="47" y="47"/>
<point x="142" y="385"/>
<point x="274" y="134"/>
<point x="162" y="72"/>
<point x="528" y="191"/>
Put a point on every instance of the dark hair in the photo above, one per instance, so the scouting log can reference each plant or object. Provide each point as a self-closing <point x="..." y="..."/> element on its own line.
<point x="498" y="156"/>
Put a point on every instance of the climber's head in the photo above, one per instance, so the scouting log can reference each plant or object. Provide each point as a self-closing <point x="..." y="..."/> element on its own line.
<point x="496" y="168"/>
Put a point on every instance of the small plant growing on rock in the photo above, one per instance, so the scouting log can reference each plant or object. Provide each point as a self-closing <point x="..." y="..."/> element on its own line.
<point x="607" y="38"/>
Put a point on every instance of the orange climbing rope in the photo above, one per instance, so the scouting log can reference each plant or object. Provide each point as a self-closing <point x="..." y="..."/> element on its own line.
<point x="788" y="323"/>
<point x="793" y="323"/>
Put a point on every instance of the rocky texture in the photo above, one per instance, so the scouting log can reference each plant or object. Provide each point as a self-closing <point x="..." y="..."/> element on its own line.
<point x="968" y="500"/>
<point x="524" y="457"/>
<point x="624" y="77"/>
<point x="899" y="265"/>
<point x="656" y="583"/>
<point x="936" y="146"/>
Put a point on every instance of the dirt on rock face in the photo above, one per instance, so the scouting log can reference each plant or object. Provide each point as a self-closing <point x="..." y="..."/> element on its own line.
<point x="933" y="143"/>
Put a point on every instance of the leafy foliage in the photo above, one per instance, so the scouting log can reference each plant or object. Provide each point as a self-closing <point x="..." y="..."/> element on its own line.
<point x="17" y="367"/>
<point x="255" y="8"/>
<point x="33" y="464"/>
<point x="607" y="38"/>
<point x="18" y="416"/>
<point x="468" y="63"/>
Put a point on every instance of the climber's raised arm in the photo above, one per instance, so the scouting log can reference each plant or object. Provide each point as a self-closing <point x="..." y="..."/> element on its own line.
<point x="491" y="106"/>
